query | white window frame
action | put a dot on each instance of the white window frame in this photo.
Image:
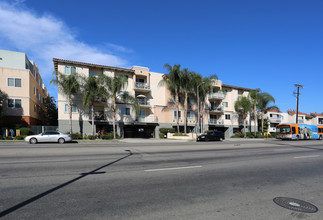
(73, 105)
(14, 82)
(14, 103)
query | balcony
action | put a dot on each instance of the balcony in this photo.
(216, 110)
(216, 121)
(98, 116)
(144, 103)
(148, 119)
(274, 120)
(216, 96)
(142, 87)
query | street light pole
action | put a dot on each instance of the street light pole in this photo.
(198, 108)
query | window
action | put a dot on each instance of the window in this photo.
(125, 111)
(14, 103)
(70, 70)
(179, 98)
(225, 104)
(35, 108)
(190, 100)
(190, 115)
(39, 97)
(74, 109)
(14, 82)
(179, 114)
(121, 75)
(227, 116)
(140, 80)
(35, 91)
(91, 73)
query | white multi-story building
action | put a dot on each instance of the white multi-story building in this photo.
(156, 102)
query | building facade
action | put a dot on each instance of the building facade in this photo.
(23, 87)
(157, 107)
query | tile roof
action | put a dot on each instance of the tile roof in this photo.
(56, 61)
(273, 110)
(300, 113)
(236, 87)
(316, 114)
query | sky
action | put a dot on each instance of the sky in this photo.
(266, 44)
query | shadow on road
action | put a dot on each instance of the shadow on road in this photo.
(82, 175)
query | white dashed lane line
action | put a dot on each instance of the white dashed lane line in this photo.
(310, 156)
(173, 168)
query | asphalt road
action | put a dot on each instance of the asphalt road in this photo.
(160, 180)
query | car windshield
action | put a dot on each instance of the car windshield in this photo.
(283, 129)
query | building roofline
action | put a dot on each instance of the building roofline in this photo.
(236, 87)
(56, 61)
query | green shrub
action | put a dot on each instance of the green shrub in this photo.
(250, 134)
(9, 138)
(24, 131)
(21, 137)
(92, 137)
(107, 136)
(161, 135)
(85, 137)
(167, 130)
(76, 136)
(235, 136)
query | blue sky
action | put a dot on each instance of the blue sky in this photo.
(270, 44)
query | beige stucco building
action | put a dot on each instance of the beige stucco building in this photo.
(157, 107)
(24, 88)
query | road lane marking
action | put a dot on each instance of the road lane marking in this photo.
(283, 149)
(34, 161)
(306, 156)
(173, 168)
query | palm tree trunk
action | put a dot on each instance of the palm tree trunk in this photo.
(255, 117)
(114, 110)
(177, 109)
(244, 127)
(185, 113)
(262, 121)
(92, 112)
(70, 112)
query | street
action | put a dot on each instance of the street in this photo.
(160, 180)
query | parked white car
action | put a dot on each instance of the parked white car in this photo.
(49, 136)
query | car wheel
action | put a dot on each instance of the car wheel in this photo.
(220, 139)
(33, 141)
(320, 137)
(206, 139)
(61, 141)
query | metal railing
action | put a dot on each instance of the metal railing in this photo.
(143, 102)
(217, 95)
(275, 120)
(139, 85)
(216, 121)
(216, 109)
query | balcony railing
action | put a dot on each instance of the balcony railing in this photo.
(143, 86)
(275, 120)
(143, 102)
(216, 109)
(150, 118)
(216, 121)
(217, 95)
(98, 116)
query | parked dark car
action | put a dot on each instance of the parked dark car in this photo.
(211, 136)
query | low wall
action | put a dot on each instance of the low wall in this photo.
(189, 137)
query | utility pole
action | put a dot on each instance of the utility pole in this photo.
(298, 86)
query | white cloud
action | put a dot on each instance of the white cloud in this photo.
(43, 37)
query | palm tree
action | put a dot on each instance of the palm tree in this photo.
(243, 106)
(205, 88)
(68, 85)
(254, 96)
(93, 91)
(263, 104)
(114, 86)
(173, 82)
(187, 86)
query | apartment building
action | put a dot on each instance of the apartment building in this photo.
(157, 107)
(275, 117)
(24, 89)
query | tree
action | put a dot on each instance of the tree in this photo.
(3, 97)
(187, 86)
(114, 87)
(93, 91)
(243, 106)
(254, 96)
(205, 87)
(50, 113)
(263, 104)
(68, 85)
(173, 81)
